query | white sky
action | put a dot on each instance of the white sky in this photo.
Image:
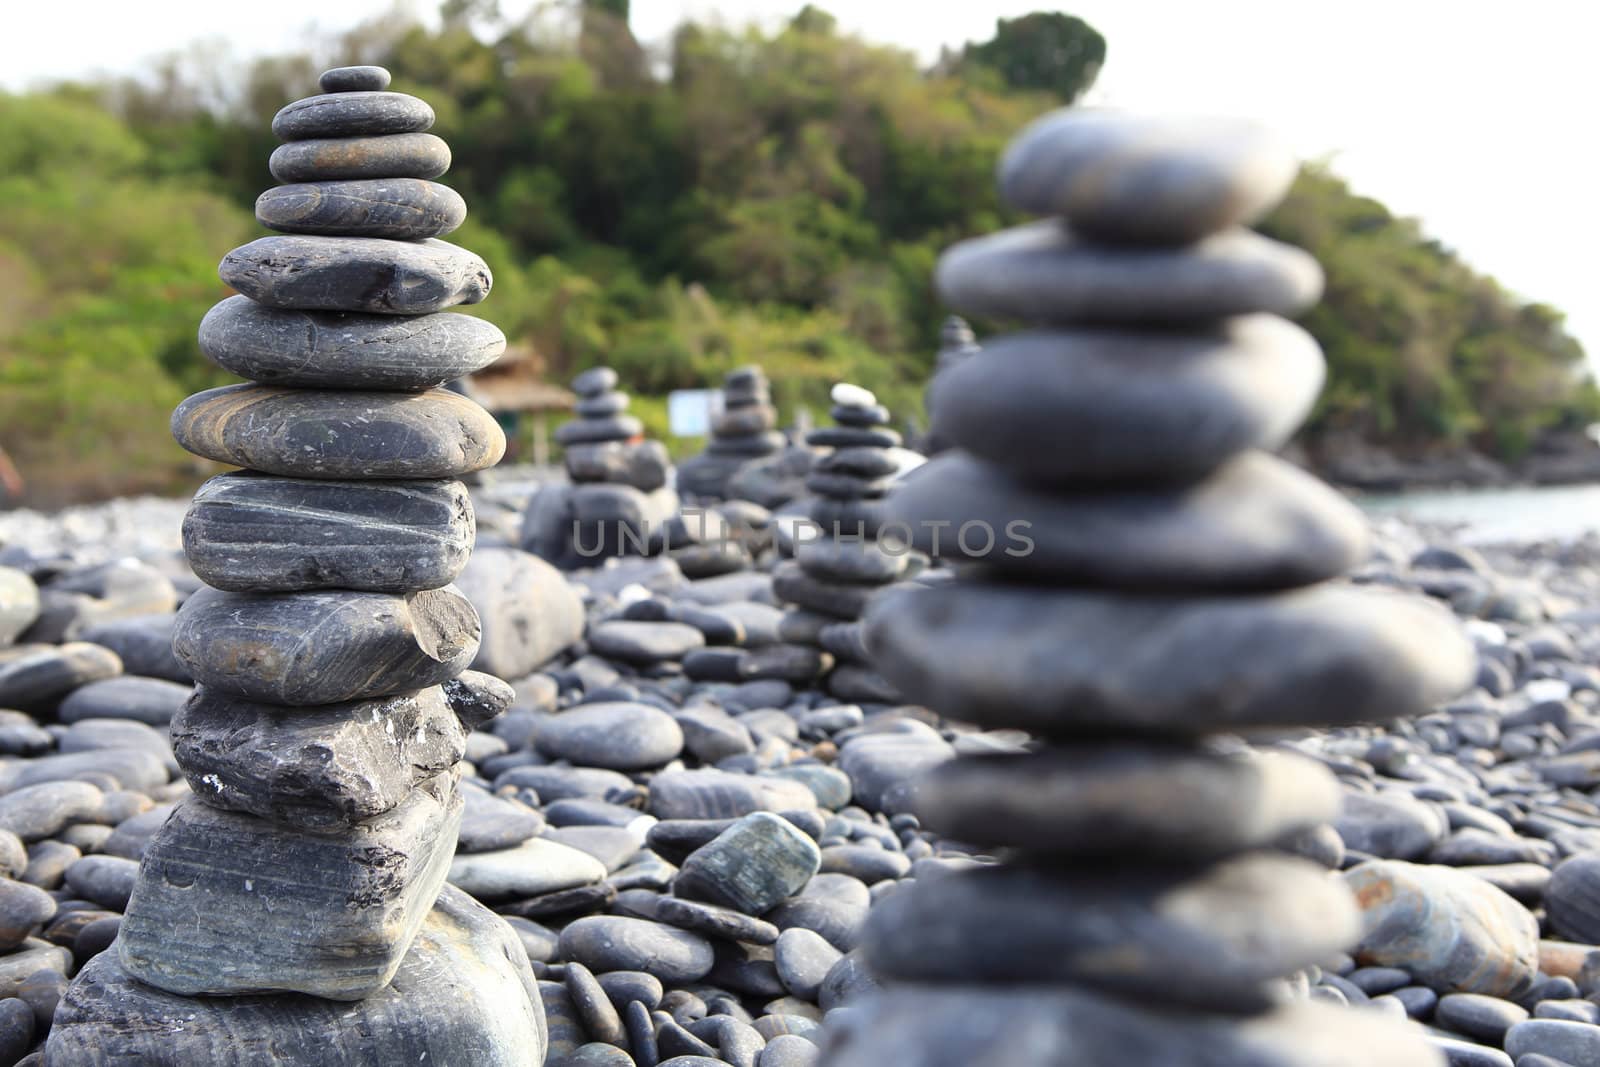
(1468, 114)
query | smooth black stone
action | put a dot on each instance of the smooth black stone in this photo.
(616, 943)
(402, 209)
(863, 417)
(612, 735)
(1156, 936)
(1145, 179)
(1158, 801)
(750, 444)
(249, 533)
(320, 648)
(860, 461)
(595, 381)
(323, 768)
(146, 700)
(709, 793)
(346, 350)
(753, 865)
(298, 433)
(1572, 898)
(1064, 661)
(351, 114)
(1045, 273)
(1109, 405)
(601, 405)
(641, 1034)
(744, 419)
(356, 274)
(1255, 523)
(846, 486)
(229, 904)
(987, 1026)
(358, 79)
(853, 437)
(585, 431)
(464, 994)
(842, 600)
(712, 921)
(34, 675)
(593, 1007)
(399, 155)
(644, 642)
(625, 987)
(852, 561)
(492, 823)
(143, 643)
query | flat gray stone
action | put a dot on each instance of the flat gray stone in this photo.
(34, 675)
(528, 612)
(1163, 802)
(1109, 405)
(709, 793)
(464, 993)
(620, 736)
(618, 943)
(1145, 179)
(346, 350)
(1255, 523)
(644, 642)
(358, 79)
(356, 274)
(250, 533)
(325, 647)
(143, 643)
(300, 433)
(403, 209)
(148, 700)
(397, 155)
(978, 1026)
(1193, 941)
(1066, 661)
(324, 768)
(1045, 273)
(351, 114)
(229, 904)
(536, 866)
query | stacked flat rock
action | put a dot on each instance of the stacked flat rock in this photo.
(744, 432)
(1170, 581)
(322, 740)
(619, 501)
(840, 564)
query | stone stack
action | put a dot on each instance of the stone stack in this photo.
(606, 444)
(619, 502)
(840, 564)
(1145, 577)
(322, 741)
(745, 431)
(956, 343)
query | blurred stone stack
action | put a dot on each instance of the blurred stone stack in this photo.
(322, 741)
(606, 444)
(619, 502)
(839, 562)
(745, 431)
(1145, 578)
(956, 343)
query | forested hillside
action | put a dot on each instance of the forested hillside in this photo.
(740, 196)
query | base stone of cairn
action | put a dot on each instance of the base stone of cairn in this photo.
(743, 435)
(1171, 581)
(619, 500)
(293, 910)
(840, 563)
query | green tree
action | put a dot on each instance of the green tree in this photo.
(1047, 51)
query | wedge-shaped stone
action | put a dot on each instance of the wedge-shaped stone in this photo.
(1043, 272)
(346, 350)
(1111, 405)
(356, 274)
(989, 1026)
(1255, 523)
(303, 649)
(298, 433)
(1065, 661)
(405, 209)
(398, 155)
(229, 904)
(1149, 179)
(355, 114)
(323, 768)
(464, 994)
(251, 533)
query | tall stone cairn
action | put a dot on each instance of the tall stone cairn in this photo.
(605, 443)
(839, 564)
(306, 869)
(744, 431)
(1174, 583)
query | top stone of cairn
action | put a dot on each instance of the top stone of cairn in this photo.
(354, 80)
(1155, 180)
